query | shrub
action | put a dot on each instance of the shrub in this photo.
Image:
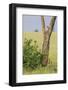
(31, 55)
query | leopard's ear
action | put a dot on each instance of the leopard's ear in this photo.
(48, 27)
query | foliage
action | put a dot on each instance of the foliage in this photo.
(36, 30)
(31, 56)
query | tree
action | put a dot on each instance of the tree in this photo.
(46, 38)
(36, 30)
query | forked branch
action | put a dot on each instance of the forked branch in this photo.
(52, 22)
(43, 23)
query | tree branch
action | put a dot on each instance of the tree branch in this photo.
(52, 22)
(43, 23)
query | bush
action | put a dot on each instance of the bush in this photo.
(31, 55)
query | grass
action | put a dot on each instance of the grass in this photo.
(52, 64)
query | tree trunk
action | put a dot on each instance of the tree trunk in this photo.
(46, 39)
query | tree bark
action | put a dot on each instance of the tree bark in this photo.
(46, 39)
